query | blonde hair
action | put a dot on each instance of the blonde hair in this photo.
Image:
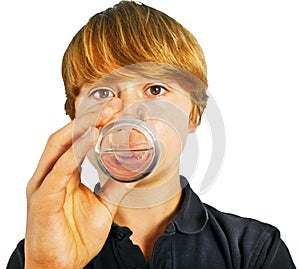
(131, 33)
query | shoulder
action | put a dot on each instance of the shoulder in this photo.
(252, 242)
(17, 258)
(218, 237)
(238, 226)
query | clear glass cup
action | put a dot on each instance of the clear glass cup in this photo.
(127, 150)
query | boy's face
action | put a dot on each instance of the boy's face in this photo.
(157, 100)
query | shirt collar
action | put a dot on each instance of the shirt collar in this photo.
(192, 217)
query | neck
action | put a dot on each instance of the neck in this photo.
(149, 219)
(151, 214)
(153, 191)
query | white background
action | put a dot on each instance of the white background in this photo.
(252, 52)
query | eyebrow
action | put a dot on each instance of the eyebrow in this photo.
(155, 72)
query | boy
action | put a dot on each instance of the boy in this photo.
(133, 59)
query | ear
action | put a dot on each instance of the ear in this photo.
(194, 118)
(192, 126)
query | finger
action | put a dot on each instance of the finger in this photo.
(95, 116)
(58, 143)
(61, 140)
(61, 173)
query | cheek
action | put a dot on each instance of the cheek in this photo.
(166, 130)
(171, 123)
(83, 104)
(172, 138)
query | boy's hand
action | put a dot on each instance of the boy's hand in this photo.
(67, 225)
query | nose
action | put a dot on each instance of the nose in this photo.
(133, 106)
(135, 109)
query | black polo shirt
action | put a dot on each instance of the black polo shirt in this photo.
(198, 237)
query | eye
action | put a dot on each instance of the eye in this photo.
(102, 93)
(156, 90)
